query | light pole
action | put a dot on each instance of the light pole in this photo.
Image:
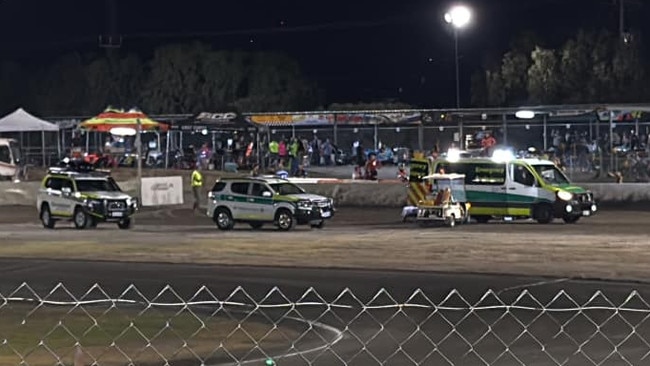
(458, 16)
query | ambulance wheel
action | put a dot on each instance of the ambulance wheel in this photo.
(544, 214)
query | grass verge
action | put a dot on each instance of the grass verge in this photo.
(45, 335)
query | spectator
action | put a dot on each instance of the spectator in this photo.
(327, 152)
(282, 151)
(197, 184)
(488, 144)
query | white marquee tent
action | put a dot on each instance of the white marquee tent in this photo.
(21, 121)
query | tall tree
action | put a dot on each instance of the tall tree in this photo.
(630, 72)
(543, 81)
(61, 88)
(175, 80)
(275, 83)
(496, 95)
(514, 71)
(576, 67)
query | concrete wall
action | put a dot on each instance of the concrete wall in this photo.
(354, 194)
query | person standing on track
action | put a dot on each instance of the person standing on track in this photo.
(197, 184)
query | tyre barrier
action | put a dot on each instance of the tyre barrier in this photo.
(356, 193)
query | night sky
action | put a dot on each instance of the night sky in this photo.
(357, 50)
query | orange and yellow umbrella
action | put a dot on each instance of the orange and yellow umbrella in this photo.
(115, 118)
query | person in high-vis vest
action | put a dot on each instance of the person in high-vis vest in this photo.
(197, 184)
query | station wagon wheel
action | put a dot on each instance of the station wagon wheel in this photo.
(223, 219)
(46, 217)
(81, 219)
(284, 219)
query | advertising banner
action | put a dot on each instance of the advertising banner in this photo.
(162, 191)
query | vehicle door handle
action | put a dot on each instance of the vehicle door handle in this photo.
(230, 198)
(251, 200)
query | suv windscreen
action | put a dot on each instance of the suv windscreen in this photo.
(286, 188)
(94, 185)
(218, 187)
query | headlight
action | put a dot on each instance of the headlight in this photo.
(564, 195)
(305, 205)
(93, 203)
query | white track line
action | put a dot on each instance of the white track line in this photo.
(337, 332)
(534, 284)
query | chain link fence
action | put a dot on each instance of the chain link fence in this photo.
(92, 327)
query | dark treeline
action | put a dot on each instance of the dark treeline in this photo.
(179, 78)
(591, 67)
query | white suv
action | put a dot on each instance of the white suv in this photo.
(258, 201)
(84, 198)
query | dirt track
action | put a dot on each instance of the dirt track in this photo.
(609, 245)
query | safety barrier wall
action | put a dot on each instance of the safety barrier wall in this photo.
(354, 193)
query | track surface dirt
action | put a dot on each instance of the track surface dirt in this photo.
(363, 250)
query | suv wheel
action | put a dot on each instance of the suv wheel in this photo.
(81, 219)
(46, 217)
(223, 219)
(285, 220)
(124, 224)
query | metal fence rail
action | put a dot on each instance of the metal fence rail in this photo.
(169, 327)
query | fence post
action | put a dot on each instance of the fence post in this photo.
(43, 147)
(545, 133)
(336, 133)
(461, 138)
(611, 140)
(505, 129)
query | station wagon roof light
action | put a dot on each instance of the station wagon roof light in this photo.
(453, 155)
(503, 155)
